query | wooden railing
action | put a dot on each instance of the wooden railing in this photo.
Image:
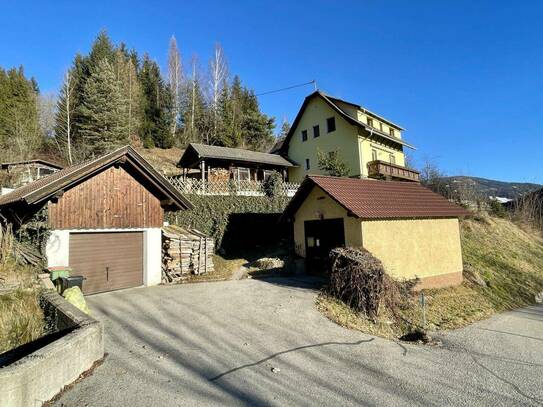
(227, 187)
(383, 170)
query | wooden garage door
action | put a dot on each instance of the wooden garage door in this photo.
(109, 261)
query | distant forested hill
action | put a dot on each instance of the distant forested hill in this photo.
(490, 187)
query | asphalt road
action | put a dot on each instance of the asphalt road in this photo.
(255, 342)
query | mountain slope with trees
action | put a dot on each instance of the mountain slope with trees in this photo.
(113, 96)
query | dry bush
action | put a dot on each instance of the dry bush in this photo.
(528, 209)
(359, 280)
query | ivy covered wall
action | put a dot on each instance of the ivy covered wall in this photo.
(235, 221)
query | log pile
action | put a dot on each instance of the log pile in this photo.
(185, 251)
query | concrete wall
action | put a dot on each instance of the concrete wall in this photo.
(423, 248)
(318, 205)
(39, 376)
(58, 250)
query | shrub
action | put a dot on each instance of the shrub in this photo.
(497, 209)
(359, 280)
(274, 186)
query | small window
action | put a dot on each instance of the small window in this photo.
(42, 172)
(392, 158)
(304, 135)
(331, 124)
(244, 174)
(370, 122)
(316, 131)
(266, 174)
(374, 154)
(392, 132)
(380, 126)
(307, 166)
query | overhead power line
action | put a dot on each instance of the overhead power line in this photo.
(313, 82)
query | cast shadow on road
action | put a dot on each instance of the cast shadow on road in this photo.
(288, 351)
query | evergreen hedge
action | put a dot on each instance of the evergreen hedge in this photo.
(234, 221)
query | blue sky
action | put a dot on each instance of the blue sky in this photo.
(465, 78)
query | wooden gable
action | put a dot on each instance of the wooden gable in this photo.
(113, 198)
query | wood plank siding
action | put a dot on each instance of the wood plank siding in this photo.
(110, 199)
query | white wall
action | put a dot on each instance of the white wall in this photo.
(57, 250)
(152, 256)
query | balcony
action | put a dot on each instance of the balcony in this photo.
(383, 170)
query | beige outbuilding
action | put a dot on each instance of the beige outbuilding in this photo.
(412, 230)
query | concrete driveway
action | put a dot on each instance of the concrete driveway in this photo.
(216, 344)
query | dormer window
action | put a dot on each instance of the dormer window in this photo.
(370, 122)
(304, 135)
(392, 132)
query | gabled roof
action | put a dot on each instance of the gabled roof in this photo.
(352, 120)
(46, 187)
(197, 152)
(35, 161)
(372, 199)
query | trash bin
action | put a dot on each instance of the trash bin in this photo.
(56, 273)
(72, 281)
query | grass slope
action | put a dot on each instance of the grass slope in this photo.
(503, 270)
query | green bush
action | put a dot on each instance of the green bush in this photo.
(497, 209)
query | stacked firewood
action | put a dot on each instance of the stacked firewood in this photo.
(185, 251)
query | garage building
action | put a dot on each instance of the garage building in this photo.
(105, 217)
(412, 230)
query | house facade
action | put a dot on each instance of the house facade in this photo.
(412, 230)
(370, 145)
(16, 174)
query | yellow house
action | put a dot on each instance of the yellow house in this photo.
(370, 145)
(412, 230)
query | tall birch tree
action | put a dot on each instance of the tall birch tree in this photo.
(175, 78)
(218, 72)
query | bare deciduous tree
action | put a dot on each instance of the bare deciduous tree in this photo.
(218, 69)
(175, 78)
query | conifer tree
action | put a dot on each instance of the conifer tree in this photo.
(102, 112)
(157, 107)
(20, 134)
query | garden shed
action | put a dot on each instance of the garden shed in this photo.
(412, 230)
(105, 218)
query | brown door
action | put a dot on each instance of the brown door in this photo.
(109, 261)
(321, 236)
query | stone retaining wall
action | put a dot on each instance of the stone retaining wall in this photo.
(39, 376)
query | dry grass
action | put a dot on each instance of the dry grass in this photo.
(508, 259)
(164, 160)
(224, 269)
(21, 318)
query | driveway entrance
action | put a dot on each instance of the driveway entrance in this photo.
(217, 343)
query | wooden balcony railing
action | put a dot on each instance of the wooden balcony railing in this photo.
(383, 170)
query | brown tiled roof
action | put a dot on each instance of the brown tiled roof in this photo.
(46, 187)
(372, 199)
